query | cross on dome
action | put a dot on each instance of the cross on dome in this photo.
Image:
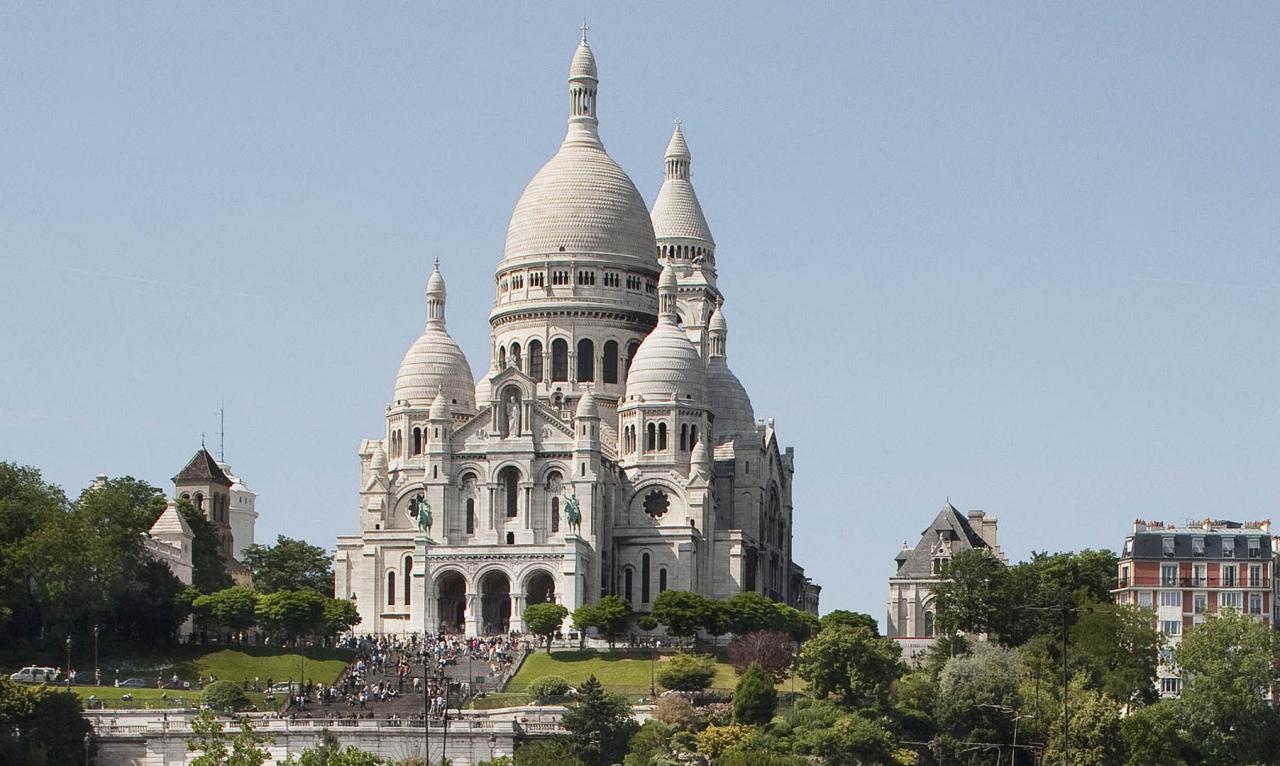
(584, 29)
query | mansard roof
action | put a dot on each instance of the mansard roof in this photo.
(202, 469)
(952, 526)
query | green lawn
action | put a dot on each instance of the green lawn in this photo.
(623, 672)
(238, 665)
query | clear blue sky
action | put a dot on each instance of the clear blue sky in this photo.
(1023, 255)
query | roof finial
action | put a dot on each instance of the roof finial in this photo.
(677, 123)
(584, 29)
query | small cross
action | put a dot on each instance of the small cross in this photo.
(677, 122)
(584, 29)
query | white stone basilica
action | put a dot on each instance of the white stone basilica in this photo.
(608, 391)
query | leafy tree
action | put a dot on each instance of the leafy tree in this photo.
(545, 620)
(739, 757)
(677, 711)
(234, 608)
(209, 739)
(651, 746)
(855, 740)
(852, 663)
(681, 611)
(687, 672)
(340, 616)
(754, 699)
(151, 607)
(751, 611)
(1094, 731)
(599, 724)
(978, 694)
(851, 619)
(225, 696)
(795, 623)
(715, 740)
(549, 689)
(584, 618)
(548, 752)
(770, 650)
(329, 752)
(208, 567)
(716, 620)
(1156, 735)
(292, 613)
(290, 565)
(647, 623)
(39, 725)
(610, 616)
(1120, 648)
(1230, 663)
(974, 596)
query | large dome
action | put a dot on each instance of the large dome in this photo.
(435, 363)
(667, 366)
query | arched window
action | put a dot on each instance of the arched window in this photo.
(644, 579)
(610, 362)
(555, 514)
(626, 584)
(684, 436)
(511, 538)
(632, 348)
(662, 437)
(471, 515)
(510, 490)
(586, 360)
(559, 360)
(515, 356)
(200, 502)
(693, 436)
(391, 588)
(502, 358)
(928, 624)
(535, 359)
(662, 580)
(408, 575)
(652, 442)
(417, 441)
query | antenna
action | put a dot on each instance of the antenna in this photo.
(222, 431)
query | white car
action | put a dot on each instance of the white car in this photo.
(33, 674)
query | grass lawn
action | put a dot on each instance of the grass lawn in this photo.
(238, 665)
(622, 672)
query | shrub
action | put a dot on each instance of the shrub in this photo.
(755, 699)
(688, 672)
(225, 696)
(675, 710)
(715, 740)
(549, 689)
(770, 649)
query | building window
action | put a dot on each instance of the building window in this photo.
(626, 584)
(417, 441)
(1197, 547)
(559, 277)
(662, 580)
(1255, 576)
(1167, 545)
(587, 278)
(471, 516)
(1199, 575)
(609, 364)
(928, 624)
(611, 279)
(559, 360)
(1144, 599)
(633, 282)
(1170, 598)
(535, 359)
(1255, 548)
(693, 436)
(1229, 600)
(662, 437)
(1228, 547)
(1255, 603)
(1228, 575)
(586, 360)
(1199, 603)
(644, 579)
(555, 514)
(511, 538)
(408, 575)
(1168, 574)
(651, 443)
(537, 279)
(684, 437)
(1171, 627)
(1170, 685)
(510, 490)
(391, 588)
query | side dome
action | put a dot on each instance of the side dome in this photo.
(728, 400)
(434, 363)
(667, 365)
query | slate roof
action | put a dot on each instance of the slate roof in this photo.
(954, 525)
(1150, 545)
(202, 469)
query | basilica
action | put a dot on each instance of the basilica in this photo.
(608, 449)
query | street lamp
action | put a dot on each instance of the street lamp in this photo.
(68, 662)
(97, 680)
(88, 738)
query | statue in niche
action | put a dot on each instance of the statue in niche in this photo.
(420, 509)
(573, 513)
(511, 415)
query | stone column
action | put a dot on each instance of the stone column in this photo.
(517, 611)
(528, 505)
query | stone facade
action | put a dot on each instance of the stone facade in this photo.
(608, 449)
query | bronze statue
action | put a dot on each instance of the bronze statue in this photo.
(573, 512)
(420, 509)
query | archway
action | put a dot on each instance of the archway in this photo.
(539, 588)
(495, 603)
(451, 589)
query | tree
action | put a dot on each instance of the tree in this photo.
(716, 620)
(610, 616)
(651, 745)
(209, 739)
(1120, 648)
(548, 752)
(151, 607)
(769, 649)
(714, 740)
(687, 672)
(548, 689)
(329, 752)
(584, 618)
(225, 696)
(974, 596)
(545, 620)
(40, 726)
(681, 611)
(234, 608)
(677, 711)
(978, 694)
(852, 663)
(208, 567)
(340, 616)
(855, 740)
(751, 611)
(795, 623)
(599, 724)
(754, 699)
(292, 613)
(290, 565)
(27, 502)
(1156, 735)
(1094, 731)
(850, 619)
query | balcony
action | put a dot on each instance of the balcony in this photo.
(1192, 582)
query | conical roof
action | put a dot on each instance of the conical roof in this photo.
(202, 469)
(677, 214)
(171, 524)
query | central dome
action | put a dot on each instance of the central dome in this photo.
(581, 202)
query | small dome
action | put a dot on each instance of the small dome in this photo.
(378, 460)
(584, 63)
(668, 280)
(435, 285)
(717, 322)
(667, 366)
(587, 407)
(432, 364)
(701, 456)
(728, 400)
(439, 407)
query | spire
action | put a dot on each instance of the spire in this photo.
(677, 157)
(583, 84)
(668, 284)
(718, 330)
(435, 297)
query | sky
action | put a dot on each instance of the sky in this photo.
(1018, 255)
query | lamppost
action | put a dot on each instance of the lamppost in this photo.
(96, 678)
(88, 738)
(68, 662)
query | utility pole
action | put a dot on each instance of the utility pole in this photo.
(1066, 742)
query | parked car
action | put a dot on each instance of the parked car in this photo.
(34, 674)
(133, 683)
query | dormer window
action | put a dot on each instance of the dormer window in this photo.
(1167, 544)
(1228, 547)
(1197, 547)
